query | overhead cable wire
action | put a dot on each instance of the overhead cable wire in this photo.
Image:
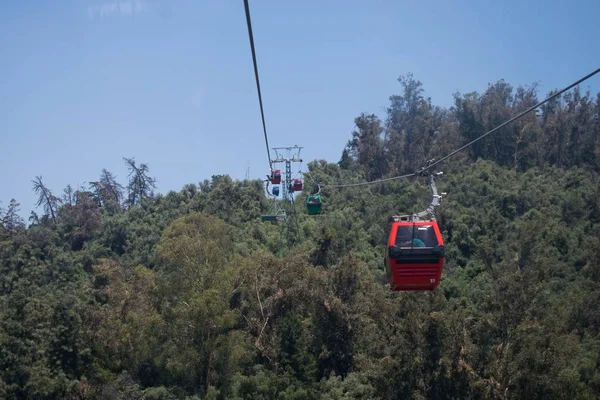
(321, 185)
(516, 117)
(369, 182)
(262, 113)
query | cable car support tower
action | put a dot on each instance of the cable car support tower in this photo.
(287, 155)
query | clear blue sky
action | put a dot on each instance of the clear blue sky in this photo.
(84, 83)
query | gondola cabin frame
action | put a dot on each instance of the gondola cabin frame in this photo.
(275, 177)
(314, 204)
(297, 185)
(414, 256)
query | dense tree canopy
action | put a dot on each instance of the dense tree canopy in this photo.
(119, 292)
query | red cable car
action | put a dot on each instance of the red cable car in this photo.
(297, 185)
(275, 177)
(415, 255)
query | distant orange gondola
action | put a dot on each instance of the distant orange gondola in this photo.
(415, 255)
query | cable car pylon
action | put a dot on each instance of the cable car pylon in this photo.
(288, 155)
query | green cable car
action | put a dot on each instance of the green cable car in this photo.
(314, 204)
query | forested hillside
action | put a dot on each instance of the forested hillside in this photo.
(116, 291)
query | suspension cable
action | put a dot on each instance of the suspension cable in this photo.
(262, 113)
(430, 165)
(516, 117)
(370, 182)
(321, 185)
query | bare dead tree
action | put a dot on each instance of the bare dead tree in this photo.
(140, 184)
(107, 191)
(46, 198)
(112, 188)
(68, 195)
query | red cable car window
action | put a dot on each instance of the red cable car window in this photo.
(416, 236)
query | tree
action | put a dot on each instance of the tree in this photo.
(367, 147)
(108, 192)
(345, 160)
(10, 219)
(79, 218)
(68, 195)
(410, 126)
(140, 184)
(526, 130)
(46, 198)
(195, 282)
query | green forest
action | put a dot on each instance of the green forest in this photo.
(114, 290)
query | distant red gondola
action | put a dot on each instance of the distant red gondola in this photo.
(415, 255)
(275, 177)
(297, 185)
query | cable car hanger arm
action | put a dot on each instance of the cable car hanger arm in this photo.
(435, 201)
